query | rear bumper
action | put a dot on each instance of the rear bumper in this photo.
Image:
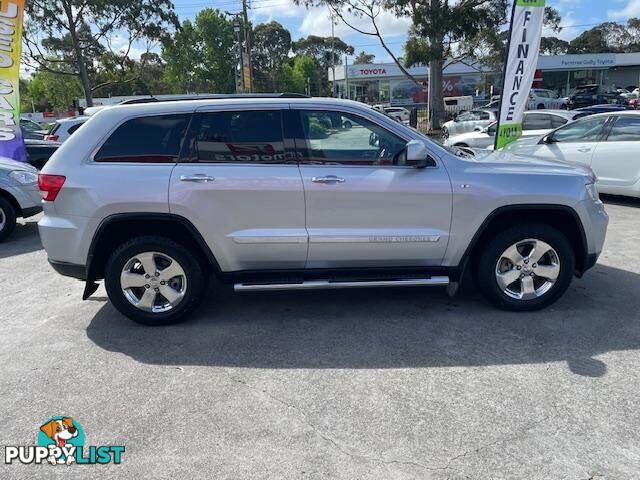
(69, 269)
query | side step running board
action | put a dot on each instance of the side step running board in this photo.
(328, 284)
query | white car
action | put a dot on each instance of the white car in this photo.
(469, 121)
(607, 142)
(399, 114)
(64, 127)
(534, 124)
(541, 98)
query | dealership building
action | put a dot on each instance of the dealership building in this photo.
(385, 82)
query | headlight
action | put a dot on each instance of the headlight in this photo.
(23, 177)
(592, 190)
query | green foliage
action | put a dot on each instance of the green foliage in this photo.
(608, 37)
(50, 91)
(364, 58)
(201, 56)
(67, 36)
(325, 51)
(271, 45)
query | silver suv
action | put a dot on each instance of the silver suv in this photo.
(276, 194)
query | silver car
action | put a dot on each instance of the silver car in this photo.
(19, 194)
(469, 121)
(154, 198)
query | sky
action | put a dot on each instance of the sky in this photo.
(577, 16)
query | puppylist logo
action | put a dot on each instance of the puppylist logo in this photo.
(61, 441)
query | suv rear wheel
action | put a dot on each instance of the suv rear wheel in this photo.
(7, 218)
(154, 280)
(526, 267)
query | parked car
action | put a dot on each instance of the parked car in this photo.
(39, 151)
(607, 142)
(534, 124)
(400, 114)
(19, 194)
(540, 98)
(156, 197)
(606, 108)
(31, 130)
(64, 128)
(456, 105)
(469, 121)
(594, 94)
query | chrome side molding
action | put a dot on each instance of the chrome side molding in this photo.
(331, 284)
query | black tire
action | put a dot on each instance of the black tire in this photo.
(541, 106)
(7, 218)
(347, 124)
(192, 269)
(445, 133)
(485, 268)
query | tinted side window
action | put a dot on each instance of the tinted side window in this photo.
(626, 129)
(252, 136)
(73, 128)
(584, 130)
(154, 139)
(346, 139)
(558, 121)
(537, 121)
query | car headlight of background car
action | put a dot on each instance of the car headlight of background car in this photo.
(23, 177)
(592, 190)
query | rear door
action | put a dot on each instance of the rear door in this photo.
(364, 206)
(616, 160)
(241, 188)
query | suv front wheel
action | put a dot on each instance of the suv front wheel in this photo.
(154, 280)
(526, 267)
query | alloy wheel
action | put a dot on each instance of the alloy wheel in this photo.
(153, 282)
(527, 269)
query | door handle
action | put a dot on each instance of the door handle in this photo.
(328, 179)
(584, 149)
(198, 178)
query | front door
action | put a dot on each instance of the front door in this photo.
(576, 141)
(242, 190)
(364, 207)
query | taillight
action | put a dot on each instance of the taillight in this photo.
(51, 138)
(50, 185)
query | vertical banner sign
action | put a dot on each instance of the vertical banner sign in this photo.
(520, 68)
(11, 143)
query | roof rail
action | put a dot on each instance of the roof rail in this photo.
(213, 96)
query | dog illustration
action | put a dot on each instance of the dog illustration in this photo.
(60, 431)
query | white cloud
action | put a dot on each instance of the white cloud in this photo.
(318, 21)
(632, 9)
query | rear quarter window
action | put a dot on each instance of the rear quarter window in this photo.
(151, 139)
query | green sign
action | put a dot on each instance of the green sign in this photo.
(507, 133)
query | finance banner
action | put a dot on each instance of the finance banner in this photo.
(520, 68)
(11, 142)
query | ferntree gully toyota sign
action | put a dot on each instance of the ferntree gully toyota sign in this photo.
(524, 45)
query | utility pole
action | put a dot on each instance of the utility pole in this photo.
(333, 55)
(246, 58)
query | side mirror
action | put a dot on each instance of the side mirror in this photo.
(417, 155)
(547, 139)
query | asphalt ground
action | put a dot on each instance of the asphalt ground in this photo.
(359, 384)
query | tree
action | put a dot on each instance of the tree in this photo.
(364, 58)
(63, 36)
(553, 46)
(608, 37)
(271, 46)
(305, 73)
(201, 57)
(325, 51)
(51, 91)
